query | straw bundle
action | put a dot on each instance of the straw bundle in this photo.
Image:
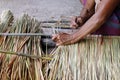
(95, 58)
(6, 20)
(14, 67)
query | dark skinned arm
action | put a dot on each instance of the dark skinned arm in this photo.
(86, 12)
(95, 22)
(104, 10)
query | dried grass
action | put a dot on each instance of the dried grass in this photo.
(95, 58)
(13, 67)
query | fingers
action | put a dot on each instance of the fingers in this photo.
(61, 39)
(73, 22)
(57, 39)
(59, 44)
(54, 36)
(76, 22)
(79, 21)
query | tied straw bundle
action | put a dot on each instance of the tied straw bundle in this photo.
(13, 67)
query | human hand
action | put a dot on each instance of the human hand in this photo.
(76, 22)
(63, 39)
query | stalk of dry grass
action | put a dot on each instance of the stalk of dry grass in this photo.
(94, 58)
(13, 67)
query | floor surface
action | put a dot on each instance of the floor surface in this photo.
(42, 9)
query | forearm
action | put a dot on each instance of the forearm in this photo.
(90, 26)
(97, 19)
(87, 11)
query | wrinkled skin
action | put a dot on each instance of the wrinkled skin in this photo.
(76, 22)
(63, 38)
(85, 14)
(103, 12)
